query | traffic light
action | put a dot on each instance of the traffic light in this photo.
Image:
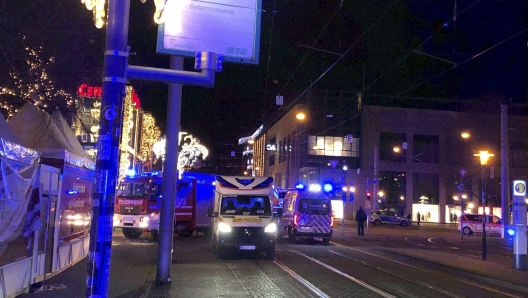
(369, 195)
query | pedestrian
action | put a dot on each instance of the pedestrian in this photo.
(418, 218)
(451, 217)
(361, 216)
(409, 218)
(455, 218)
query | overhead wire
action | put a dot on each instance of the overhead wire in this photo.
(441, 73)
(338, 59)
(302, 60)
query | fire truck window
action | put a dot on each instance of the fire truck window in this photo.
(139, 190)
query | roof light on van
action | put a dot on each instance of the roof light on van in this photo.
(511, 231)
(328, 187)
(300, 186)
(314, 187)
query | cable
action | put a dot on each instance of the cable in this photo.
(269, 58)
(302, 60)
(339, 59)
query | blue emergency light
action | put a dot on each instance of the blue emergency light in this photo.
(300, 186)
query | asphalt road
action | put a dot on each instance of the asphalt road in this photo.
(381, 263)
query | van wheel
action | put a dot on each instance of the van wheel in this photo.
(326, 240)
(467, 231)
(132, 233)
(270, 254)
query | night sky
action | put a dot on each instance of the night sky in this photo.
(487, 42)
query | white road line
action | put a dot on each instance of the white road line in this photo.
(358, 281)
(423, 284)
(429, 271)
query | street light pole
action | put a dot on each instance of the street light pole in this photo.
(484, 157)
(483, 218)
(460, 188)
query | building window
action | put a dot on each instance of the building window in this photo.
(425, 149)
(391, 146)
(392, 190)
(425, 188)
(271, 160)
(332, 146)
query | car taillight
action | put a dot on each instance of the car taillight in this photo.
(295, 219)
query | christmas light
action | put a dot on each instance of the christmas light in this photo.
(35, 87)
(98, 9)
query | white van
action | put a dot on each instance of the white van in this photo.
(242, 218)
(306, 215)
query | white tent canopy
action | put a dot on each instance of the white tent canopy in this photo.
(49, 134)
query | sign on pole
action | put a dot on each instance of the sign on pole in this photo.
(230, 28)
(520, 258)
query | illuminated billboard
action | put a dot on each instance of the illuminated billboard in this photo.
(226, 27)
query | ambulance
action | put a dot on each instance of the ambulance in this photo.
(242, 217)
(307, 214)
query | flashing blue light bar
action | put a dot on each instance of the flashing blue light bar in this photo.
(328, 187)
(300, 186)
(511, 232)
(72, 192)
(314, 187)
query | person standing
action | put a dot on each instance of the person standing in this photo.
(418, 218)
(361, 216)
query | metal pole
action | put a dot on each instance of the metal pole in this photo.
(166, 226)
(375, 188)
(505, 192)
(460, 188)
(483, 219)
(113, 86)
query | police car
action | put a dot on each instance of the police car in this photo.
(387, 217)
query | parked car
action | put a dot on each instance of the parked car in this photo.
(472, 223)
(388, 217)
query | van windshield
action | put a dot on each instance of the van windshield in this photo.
(245, 205)
(314, 206)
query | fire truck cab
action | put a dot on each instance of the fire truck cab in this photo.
(137, 204)
(307, 214)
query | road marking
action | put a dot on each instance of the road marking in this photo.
(358, 281)
(303, 281)
(458, 279)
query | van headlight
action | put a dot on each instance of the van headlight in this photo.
(271, 228)
(224, 228)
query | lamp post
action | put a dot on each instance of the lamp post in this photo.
(484, 157)
(460, 188)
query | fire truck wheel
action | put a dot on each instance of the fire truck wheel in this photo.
(155, 235)
(185, 233)
(132, 233)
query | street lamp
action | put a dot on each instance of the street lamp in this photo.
(484, 157)
(460, 188)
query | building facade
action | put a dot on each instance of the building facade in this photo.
(408, 160)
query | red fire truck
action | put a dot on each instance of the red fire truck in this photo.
(138, 204)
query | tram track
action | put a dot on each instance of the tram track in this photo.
(380, 275)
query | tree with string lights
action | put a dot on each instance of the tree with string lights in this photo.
(32, 83)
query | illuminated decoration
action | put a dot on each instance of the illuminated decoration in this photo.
(149, 135)
(34, 85)
(190, 153)
(98, 7)
(128, 125)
